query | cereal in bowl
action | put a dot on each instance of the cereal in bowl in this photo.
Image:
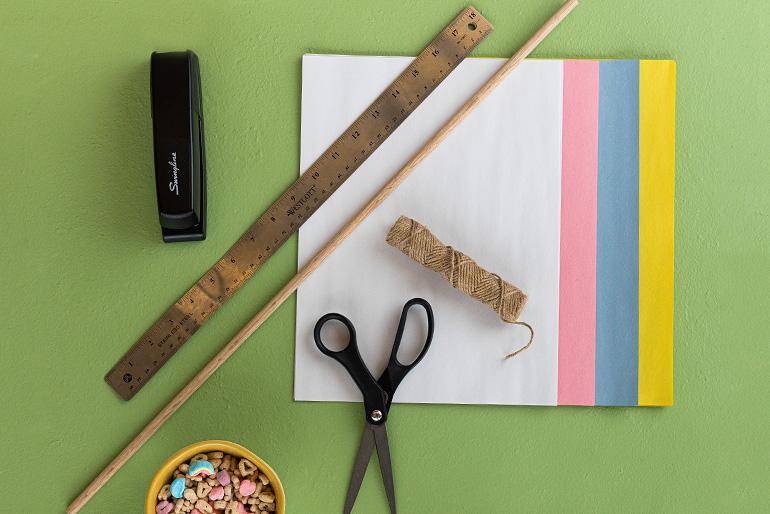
(216, 483)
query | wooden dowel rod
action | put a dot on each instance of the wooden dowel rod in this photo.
(314, 263)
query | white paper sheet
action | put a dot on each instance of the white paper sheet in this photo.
(492, 190)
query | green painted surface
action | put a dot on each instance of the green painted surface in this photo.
(84, 272)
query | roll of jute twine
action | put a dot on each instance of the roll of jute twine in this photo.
(462, 272)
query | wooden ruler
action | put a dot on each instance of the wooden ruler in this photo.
(298, 203)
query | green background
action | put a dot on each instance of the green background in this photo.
(84, 271)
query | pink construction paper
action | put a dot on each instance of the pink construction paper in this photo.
(577, 285)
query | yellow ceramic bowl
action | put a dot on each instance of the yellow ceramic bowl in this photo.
(163, 475)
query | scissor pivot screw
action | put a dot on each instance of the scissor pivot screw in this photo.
(376, 415)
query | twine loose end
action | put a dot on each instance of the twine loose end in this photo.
(531, 337)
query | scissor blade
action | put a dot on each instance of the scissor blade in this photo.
(359, 468)
(383, 455)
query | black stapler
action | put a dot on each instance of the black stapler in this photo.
(180, 163)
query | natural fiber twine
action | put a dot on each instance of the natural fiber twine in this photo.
(462, 272)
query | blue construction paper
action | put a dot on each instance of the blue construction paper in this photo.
(617, 258)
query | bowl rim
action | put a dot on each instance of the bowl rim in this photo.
(169, 465)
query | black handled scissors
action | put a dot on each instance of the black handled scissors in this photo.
(378, 395)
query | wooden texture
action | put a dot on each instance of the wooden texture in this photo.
(315, 262)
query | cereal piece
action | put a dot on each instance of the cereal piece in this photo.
(223, 477)
(232, 508)
(247, 488)
(184, 468)
(203, 490)
(164, 493)
(253, 508)
(229, 492)
(263, 478)
(201, 468)
(236, 483)
(270, 507)
(246, 467)
(204, 507)
(258, 489)
(215, 462)
(164, 507)
(177, 487)
(214, 455)
(200, 456)
(178, 506)
(226, 460)
(190, 495)
(220, 504)
(267, 497)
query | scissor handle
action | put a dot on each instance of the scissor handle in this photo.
(375, 399)
(396, 371)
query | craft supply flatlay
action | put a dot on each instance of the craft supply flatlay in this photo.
(221, 482)
(217, 482)
(220, 477)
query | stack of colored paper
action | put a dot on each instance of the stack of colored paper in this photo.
(562, 182)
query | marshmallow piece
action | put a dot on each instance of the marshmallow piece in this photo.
(201, 468)
(247, 488)
(178, 487)
(217, 493)
(164, 507)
